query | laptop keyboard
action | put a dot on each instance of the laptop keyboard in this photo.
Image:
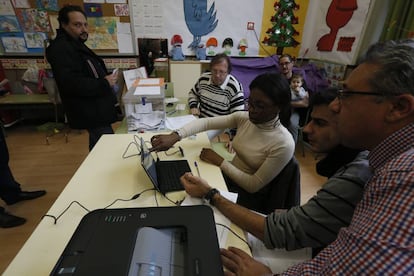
(169, 173)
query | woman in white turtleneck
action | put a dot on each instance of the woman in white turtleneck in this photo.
(263, 145)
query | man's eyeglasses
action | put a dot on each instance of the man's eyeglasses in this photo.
(218, 72)
(343, 93)
(285, 63)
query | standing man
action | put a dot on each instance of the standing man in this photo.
(217, 92)
(81, 76)
(10, 190)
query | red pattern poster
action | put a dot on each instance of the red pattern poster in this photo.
(334, 29)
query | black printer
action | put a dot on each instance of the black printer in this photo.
(154, 241)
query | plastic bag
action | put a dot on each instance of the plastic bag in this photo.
(31, 74)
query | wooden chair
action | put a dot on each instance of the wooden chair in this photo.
(52, 128)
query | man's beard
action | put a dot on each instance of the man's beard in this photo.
(81, 37)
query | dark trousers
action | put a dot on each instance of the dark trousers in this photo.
(9, 188)
(96, 133)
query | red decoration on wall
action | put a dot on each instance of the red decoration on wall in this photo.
(339, 14)
(345, 44)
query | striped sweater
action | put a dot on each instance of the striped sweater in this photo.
(213, 100)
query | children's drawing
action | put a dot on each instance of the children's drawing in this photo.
(21, 4)
(337, 17)
(121, 9)
(14, 44)
(102, 32)
(92, 9)
(33, 20)
(199, 21)
(35, 40)
(9, 24)
(6, 8)
(50, 5)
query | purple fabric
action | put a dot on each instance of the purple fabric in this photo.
(246, 69)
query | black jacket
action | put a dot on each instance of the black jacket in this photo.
(87, 98)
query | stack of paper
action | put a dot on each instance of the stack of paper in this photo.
(150, 86)
(147, 121)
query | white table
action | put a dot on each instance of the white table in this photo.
(103, 177)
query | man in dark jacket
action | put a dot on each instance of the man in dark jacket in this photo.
(81, 76)
(10, 190)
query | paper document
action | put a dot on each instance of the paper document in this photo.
(131, 76)
(222, 232)
(278, 260)
(150, 81)
(179, 121)
(170, 100)
(147, 90)
(147, 121)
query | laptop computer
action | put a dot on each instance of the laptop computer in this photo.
(164, 175)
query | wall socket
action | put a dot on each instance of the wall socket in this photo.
(250, 26)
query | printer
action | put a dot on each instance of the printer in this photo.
(153, 241)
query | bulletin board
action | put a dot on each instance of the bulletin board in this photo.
(25, 28)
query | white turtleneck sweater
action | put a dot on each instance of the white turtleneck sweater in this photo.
(262, 150)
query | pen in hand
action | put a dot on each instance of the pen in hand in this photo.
(198, 170)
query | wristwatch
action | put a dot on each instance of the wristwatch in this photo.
(209, 196)
(178, 133)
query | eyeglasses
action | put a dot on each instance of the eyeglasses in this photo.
(343, 93)
(256, 105)
(218, 72)
(285, 63)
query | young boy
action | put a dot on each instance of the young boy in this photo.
(297, 91)
(299, 102)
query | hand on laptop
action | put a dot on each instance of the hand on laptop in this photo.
(194, 185)
(163, 142)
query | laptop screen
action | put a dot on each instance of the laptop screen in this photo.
(148, 163)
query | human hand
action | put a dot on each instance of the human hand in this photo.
(239, 263)
(112, 79)
(211, 156)
(194, 185)
(163, 142)
(195, 111)
(229, 147)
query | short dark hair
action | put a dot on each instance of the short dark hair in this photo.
(220, 58)
(63, 16)
(286, 56)
(296, 76)
(277, 88)
(323, 97)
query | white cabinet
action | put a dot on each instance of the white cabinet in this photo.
(184, 74)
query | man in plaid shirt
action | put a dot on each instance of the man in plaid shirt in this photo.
(376, 112)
